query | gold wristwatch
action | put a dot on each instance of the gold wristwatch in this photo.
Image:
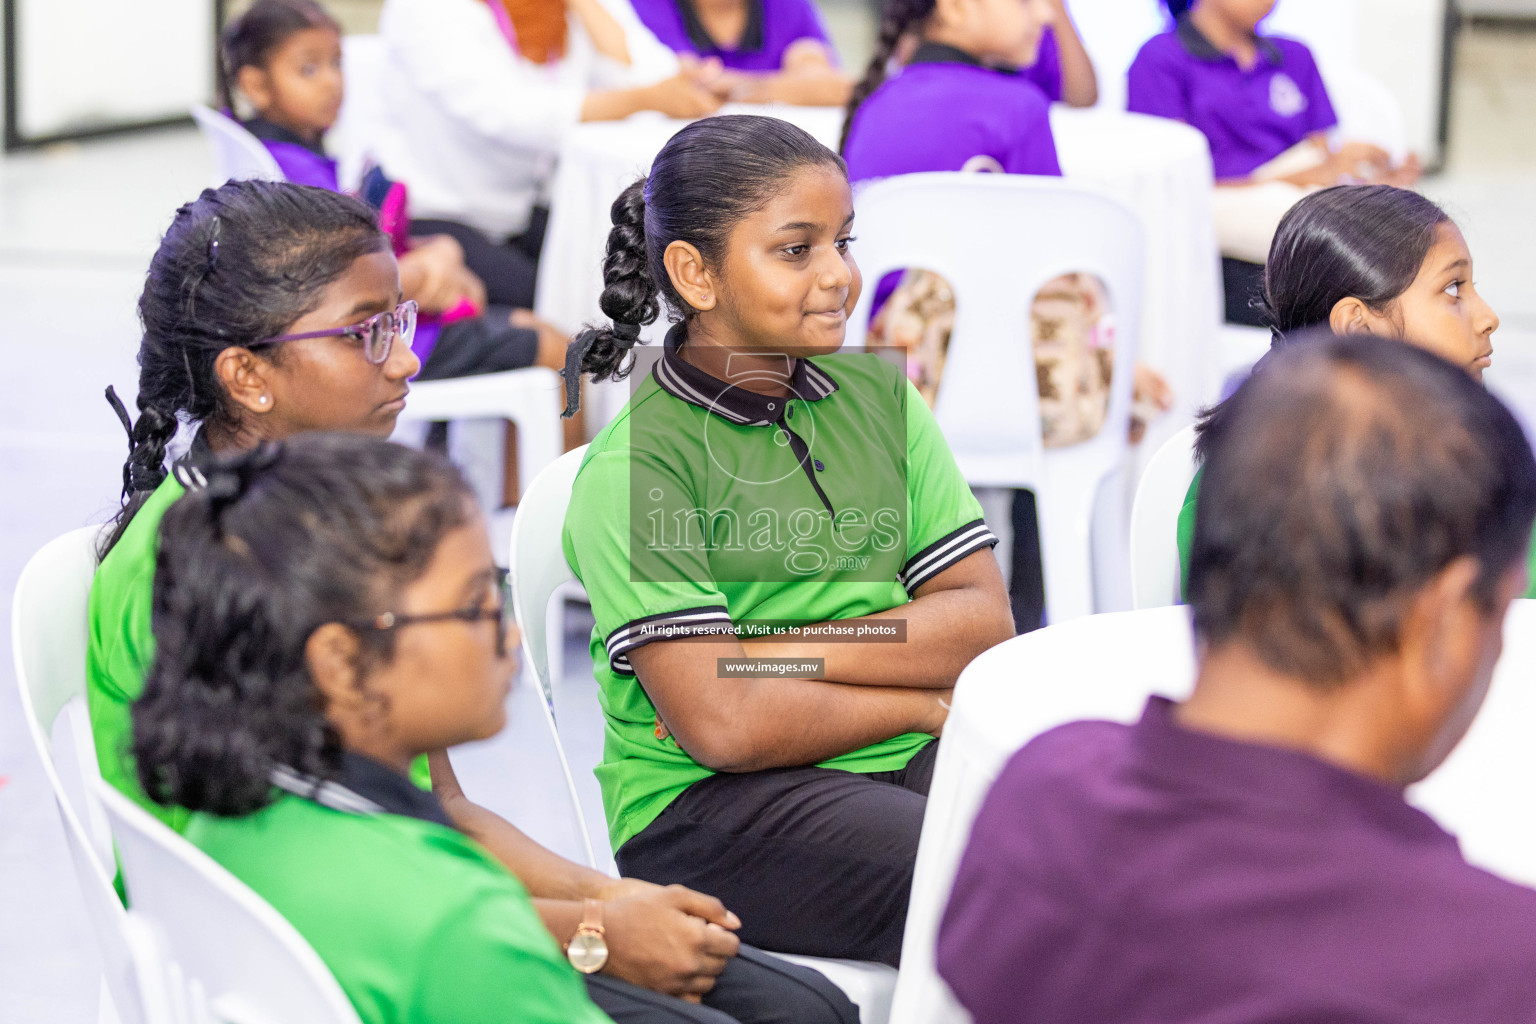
(588, 950)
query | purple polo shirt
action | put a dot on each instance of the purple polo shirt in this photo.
(1046, 70)
(772, 26)
(1249, 117)
(943, 109)
(1151, 873)
(301, 162)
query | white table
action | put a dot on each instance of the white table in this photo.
(1105, 667)
(1159, 168)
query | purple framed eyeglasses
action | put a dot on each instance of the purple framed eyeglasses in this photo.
(377, 333)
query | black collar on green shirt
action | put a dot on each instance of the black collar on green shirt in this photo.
(268, 131)
(365, 787)
(687, 382)
(698, 35)
(1197, 45)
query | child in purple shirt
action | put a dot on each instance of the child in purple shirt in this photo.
(960, 95)
(1247, 856)
(284, 57)
(757, 51)
(1261, 104)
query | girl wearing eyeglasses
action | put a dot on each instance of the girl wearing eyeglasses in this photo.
(326, 611)
(272, 310)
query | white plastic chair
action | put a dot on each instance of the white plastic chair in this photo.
(976, 230)
(225, 955)
(237, 154)
(531, 398)
(1156, 580)
(539, 572)
(1015, 691)
(49, 639)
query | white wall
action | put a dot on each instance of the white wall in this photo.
(86, 63)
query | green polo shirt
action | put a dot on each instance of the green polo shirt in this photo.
(122, 647)
(418, 923)
(1187, 538)
(706, 508)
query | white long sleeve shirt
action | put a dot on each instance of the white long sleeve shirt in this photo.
(471, 126)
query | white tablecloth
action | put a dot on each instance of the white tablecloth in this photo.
(1105, 667)
(1161, 169)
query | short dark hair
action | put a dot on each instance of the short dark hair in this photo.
(705, 179)
(1339, 482)
(239, 264)
(282, 540)
(249, 40)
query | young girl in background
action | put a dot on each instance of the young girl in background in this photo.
(1371, 259)
(957, 98)
(272, 310)
(284, 58)
(957, 104)
(771, 51)
(828, 498)
(326, 612)
(1261, 103)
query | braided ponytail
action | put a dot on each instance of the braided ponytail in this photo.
(630, 299)
(896, 20)
(706, 178)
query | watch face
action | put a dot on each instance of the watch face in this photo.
(587, 952)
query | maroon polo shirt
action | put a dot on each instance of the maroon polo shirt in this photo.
(1152, 873)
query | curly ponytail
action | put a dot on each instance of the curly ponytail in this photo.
(896, 20)
(282, 540)
(706, 178)
(239, 264)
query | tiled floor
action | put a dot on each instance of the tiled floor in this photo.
(77, 226)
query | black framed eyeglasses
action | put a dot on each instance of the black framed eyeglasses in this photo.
(377, 333)
(501, 615)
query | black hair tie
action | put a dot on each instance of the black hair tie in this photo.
(122, 413)
(626, 335)
(228, 480)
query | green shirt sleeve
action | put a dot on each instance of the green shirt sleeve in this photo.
(644, 585)
(494, 962)
(1186, 533)
(944, 521)
(122, 647)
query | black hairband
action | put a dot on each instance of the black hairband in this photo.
(627, 334)
(228, 479)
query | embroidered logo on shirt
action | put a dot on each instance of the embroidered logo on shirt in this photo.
(1285, 96)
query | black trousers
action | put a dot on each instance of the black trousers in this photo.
(487, 343)
(509, 268)
(813, 860)
(754, 988)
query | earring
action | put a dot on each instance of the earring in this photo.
(262, 399)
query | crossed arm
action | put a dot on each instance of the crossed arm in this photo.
(868, 692)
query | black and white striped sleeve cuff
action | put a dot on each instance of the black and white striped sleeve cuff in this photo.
(945, 552)
(666, 626)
